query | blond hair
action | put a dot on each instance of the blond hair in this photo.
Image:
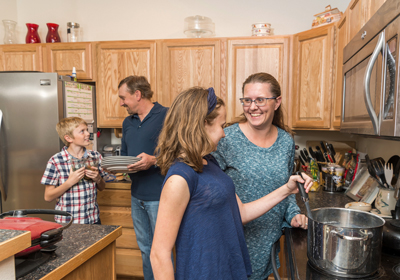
(67, 126)
(183, 136)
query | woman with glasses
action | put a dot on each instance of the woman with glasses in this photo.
(258, 154)
(199, 212)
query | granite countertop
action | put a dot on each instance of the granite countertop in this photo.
(76, 239)
(7, 234)
(297, 238)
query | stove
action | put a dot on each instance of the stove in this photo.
(299, 268)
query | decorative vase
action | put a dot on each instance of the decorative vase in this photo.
(52, 34)
(32, 36)
(9, 28)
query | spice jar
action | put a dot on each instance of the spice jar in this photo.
(73, 32)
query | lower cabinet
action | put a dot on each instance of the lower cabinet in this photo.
(115, 209)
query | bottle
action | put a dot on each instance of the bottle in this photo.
(73, 32)
(74, 74)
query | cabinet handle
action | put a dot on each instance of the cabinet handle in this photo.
(2, 189)
(367, 80)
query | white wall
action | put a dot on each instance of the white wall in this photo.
(8, 10)
(159, 19)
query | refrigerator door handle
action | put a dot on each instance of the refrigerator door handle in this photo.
(2, 189)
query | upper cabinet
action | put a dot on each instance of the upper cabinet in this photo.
(313, 68)
(115, 61)
(251, 55)
(21, 57)
(61, 57)
(342, 38)
(359, 12)
(184, 63)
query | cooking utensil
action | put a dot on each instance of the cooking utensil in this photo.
(306, 153)
(325, 151)
(371, 169)
(396, 172)
(43, 233)
(304, 195)
(330, 153)
(388, 172)
(305, 158)
(313, 154)
(345, 242)
(380, 172)
(302, 161)
(332, 149)
(320, 154)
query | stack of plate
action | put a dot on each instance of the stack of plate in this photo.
(118, 164)
(261, 29)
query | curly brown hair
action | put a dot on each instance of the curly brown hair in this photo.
(183, 136)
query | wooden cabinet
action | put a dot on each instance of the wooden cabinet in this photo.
(251, 55)
(342, 38)
(359, 12)
(185, 63)
(27, 57)
(313, 65)
(115, 209)
(115, 61)
(61, 57)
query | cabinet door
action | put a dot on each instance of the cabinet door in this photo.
(342, 39)
(359, 13)
(115, 61)
(312, 78)
(21, 57)
(186, 63)
(61, 57)
(253, 55)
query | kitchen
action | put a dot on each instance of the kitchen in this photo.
(135, 25)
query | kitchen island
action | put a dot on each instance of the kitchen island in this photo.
(296, 243)
(11, 242)
(86, 252)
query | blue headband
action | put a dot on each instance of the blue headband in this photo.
(212, 100)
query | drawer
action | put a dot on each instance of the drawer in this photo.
(111, 197)
(128, 239)
(129, 262)
(117, 216)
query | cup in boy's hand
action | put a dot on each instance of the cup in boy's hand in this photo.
(91, 164)
(77, 164)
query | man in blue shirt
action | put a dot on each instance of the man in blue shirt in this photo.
(140, 133)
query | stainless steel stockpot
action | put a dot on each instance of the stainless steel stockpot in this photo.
(345, 242)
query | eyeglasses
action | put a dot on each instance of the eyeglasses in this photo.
(259, 101)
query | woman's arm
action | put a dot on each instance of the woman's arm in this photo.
(252, 210)
(173, 202)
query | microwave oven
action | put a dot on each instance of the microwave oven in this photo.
(371, 76)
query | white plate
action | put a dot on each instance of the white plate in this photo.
(120, 157)
(375, 212)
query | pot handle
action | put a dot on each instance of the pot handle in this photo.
(352, 238)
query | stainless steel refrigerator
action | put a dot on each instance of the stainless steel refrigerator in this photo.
(31, 104)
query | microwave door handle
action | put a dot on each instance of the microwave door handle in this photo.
(2, 189)
(392, 71)
(367, 79)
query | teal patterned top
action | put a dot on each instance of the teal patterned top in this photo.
(256, 172)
